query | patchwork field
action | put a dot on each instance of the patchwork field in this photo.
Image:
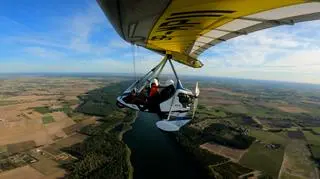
(312, 138)
(233, 154)
(25, 172)
(39, 108)
(224, 91)
(292, 109)
(296, 162)
(263, 159)
(283, 118)
(35, 115)
(269, 137)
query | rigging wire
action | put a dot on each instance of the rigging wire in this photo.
(134, 62)
(138, 57)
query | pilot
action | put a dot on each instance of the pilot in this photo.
(154, 96)
(154, 89)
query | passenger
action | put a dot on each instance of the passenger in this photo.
(169, 83)
(135, 98)
(168, 90)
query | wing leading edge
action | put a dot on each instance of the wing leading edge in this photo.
(186, 28)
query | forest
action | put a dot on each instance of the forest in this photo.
(102, 154)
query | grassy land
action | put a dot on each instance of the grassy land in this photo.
(236, 108)
(261, 158)
(42, 109)
(228, 170)
(315, 149)
(78, 117)
(316, 129)
(297, 161)
(8, 102)
(262, 101)
(3, 149)
(203, 112)
(46, 109)
(46, 119)
(269, 137)
(311, 138)
(20, 147)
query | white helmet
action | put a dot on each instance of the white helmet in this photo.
(155, 81)
(169, 82)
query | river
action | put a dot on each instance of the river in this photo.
(156, 154)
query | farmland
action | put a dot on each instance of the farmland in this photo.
(282, 118)
(35, 103)
(232, 154)
(272, 159)
(312, 138)
(56, 127)
(41, 119)
(297, 161)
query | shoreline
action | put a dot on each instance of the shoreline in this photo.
(128, 150)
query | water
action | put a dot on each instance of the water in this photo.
(155, 154)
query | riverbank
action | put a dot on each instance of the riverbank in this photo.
(127, 126)
(128, 151)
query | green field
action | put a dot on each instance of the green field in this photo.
(236, 108)
(7, 102)
(3, 149)
(228, 170)
(311, 138)
(316, 129)
(315, 151)
(46, 109)
(46, 119)
(21, 146)
(263, 159)
(298, 160)
(214, 113)
(269, 137)
(42, 109)
(203, 113)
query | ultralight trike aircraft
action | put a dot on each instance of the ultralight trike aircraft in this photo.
(171, 102)
(181, 30)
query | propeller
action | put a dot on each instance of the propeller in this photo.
(196, 90)
(195, 106)
(195, 100)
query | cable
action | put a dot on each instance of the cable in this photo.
(134, 62)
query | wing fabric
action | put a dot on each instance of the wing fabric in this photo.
(186, 28)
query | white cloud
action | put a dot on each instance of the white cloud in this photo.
(82, 25)
(119, 43)
(44, 53)
(72, 33)
(288, 53)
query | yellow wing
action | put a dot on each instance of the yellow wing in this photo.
(186, 28)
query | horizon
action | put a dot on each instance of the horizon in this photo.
(76, 37)
(113, 74)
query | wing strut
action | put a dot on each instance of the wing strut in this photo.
(179, 85)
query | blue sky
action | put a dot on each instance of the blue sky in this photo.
(75, 36)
